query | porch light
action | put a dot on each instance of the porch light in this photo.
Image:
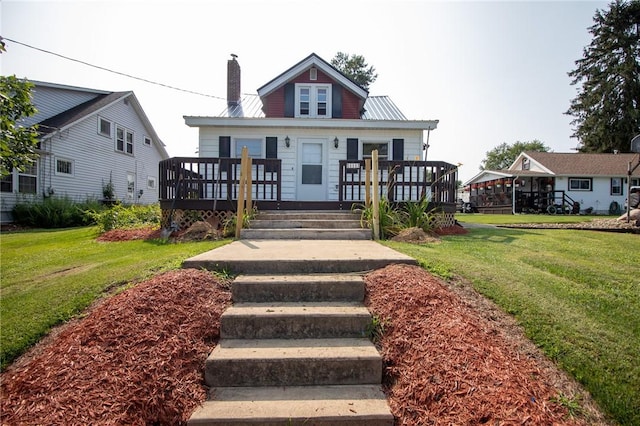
(287, 141)
(336, 142)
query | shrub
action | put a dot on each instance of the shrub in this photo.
(128, 217)
(54, 212)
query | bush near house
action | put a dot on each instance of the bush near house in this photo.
(55, 212)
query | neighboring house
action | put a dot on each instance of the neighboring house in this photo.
(88, 140)
(556, 183)
(310, 130)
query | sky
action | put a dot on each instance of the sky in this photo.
(490, 72)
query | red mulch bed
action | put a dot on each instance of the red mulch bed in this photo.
(115, 235)
(138, 358)
(451, 358)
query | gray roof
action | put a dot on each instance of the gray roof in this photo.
(376, 108)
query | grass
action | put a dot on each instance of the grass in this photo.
(50, 276)
(505, 219)
(576, 293)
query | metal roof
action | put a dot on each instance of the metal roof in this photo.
(375, 108)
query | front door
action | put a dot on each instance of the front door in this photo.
(312, 179)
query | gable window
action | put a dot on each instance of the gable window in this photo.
(253, 145)
(313, 100)
(104, 127)
(27, 180)
(124, 140)
(64, 167)
(616, 186)
(369, 147)
(580, 184)
(147, 140)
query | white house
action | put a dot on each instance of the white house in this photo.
(557, 182)
(88, 139)
(310, 117)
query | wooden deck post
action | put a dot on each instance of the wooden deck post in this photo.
(367, 182)
(241, 191)
(375, 196)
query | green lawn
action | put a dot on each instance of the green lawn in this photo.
(576, 293)
(50, 276)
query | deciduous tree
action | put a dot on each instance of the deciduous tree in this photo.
(502, 156)
(17, 142)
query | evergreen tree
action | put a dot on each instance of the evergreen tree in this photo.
(502, 156)
(356, 68)
(606, 110)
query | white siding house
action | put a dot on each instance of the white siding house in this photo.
(88, 139)
(310, 117)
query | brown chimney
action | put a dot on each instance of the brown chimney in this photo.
(233, 81)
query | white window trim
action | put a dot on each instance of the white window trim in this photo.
(263, 145)
(145, 139)
(67, 160)
(581, 179)
(313, 100)
(124, 141)
(100, 132)
(131, 185)
(363, 143)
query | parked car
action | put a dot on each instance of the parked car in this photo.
(634, 196)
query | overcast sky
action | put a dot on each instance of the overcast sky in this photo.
(491, 72)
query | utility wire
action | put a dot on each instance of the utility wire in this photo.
(112, 71)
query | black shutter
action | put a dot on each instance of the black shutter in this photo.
(398, 149)
(272, 152)
(336, 101)
(289, 99)
(352, 148)
(224, 146)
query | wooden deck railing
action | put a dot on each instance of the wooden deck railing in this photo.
(197, 182)
(401, 181)
(184, 178)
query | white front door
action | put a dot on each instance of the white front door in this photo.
(312, 161)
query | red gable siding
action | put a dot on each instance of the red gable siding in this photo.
(274, 102)
(350, 105)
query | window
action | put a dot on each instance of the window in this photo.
(369, 147)
(6, 183)
(151, 182)
(147, 140)
(616, 186)
(104, 127)
(254, 146)
(124, 140)
(579, 184)
(526, 165)
(64, 167)
(27, 180)
(313, 100)
(131, 184)
(313, 74)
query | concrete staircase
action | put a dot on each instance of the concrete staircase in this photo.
(306, 225)
(294, 351)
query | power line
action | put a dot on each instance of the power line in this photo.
(113, 71)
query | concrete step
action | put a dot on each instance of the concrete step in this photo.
(305, 234)
(293, 362)
(355, 405)
(307, 214)
(307, 223)
(298, 256)
(298, 288)
(294, 321)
